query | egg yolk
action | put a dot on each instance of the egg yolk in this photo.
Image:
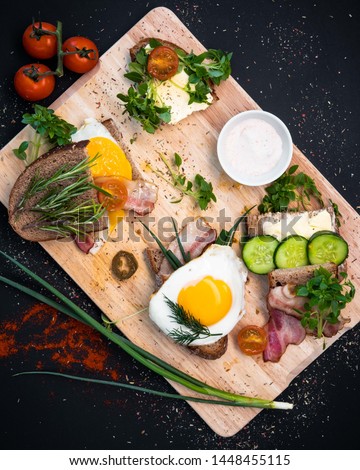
(209, 300)
(111, 161)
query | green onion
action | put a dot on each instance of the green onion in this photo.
(147, 359)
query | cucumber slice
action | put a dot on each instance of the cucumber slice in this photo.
(291, 253)
(327, 247)
(258, 254)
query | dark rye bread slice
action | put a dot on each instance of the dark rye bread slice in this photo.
(143, 42)
(23, 221)
(297, 276)
(209, 351)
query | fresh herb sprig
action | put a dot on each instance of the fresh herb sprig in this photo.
(57, 207)
(226, 237)
(49, 128)
(200, 189)
(142, 102)
(174, 261)
(212, 66)
(194, 329)
(147, 359)
(338, 214)
(327, 297)
(290, 187)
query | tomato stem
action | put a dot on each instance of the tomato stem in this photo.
(59, 69)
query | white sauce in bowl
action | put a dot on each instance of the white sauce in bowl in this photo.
(253, 147)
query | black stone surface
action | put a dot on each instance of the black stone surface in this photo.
(298, 60)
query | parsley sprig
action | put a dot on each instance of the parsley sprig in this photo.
(212, 66)
(290, 187)
(327, 297)
(49, 128)
(142, 102)
(194, 329)
(199, 189)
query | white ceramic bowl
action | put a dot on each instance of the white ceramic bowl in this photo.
(273, 173)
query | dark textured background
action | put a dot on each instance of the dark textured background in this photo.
(297, 59)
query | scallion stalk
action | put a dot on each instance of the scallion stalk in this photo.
(148, 360)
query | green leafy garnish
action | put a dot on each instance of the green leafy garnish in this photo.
(49, 129)
(194, 329)
(337, 213)
(226, 236)
(327, 297)
(142, 102)
(290, 188)
(169, 255)
(212, 66)
(150, 361)
(57, 207)
(200, 190)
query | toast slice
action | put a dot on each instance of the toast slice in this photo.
(143, 42)
(297, 276)
(172, 93)
(23, 220)
(210, 351)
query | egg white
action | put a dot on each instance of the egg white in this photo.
(220, 262)
(91, 128)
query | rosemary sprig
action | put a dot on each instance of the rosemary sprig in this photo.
(195, 329)
(144, 357)
(74, 220)
(39, 184)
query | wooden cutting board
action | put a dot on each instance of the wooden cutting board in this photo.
(94, 95)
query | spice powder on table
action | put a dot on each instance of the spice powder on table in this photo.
(62, 341)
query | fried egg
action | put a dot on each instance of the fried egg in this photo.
(111, 159)
(210, 287)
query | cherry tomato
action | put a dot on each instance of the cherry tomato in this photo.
(84, 57)
(252, 339)
(116, 187)
(33, 89)
(37, 44)
(162, 63)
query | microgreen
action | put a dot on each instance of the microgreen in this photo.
(200, 189)
(149, 360)
(194, 329)
(49, 128)
(142, 102)
(290, 187)
(327, 296)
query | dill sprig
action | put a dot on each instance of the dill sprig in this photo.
(195, 329)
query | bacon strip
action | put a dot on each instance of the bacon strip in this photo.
(282, 330)
(141, 197)
(283, 298)
(194, 237)
(85, 244)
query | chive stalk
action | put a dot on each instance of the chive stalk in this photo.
(147, 359)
